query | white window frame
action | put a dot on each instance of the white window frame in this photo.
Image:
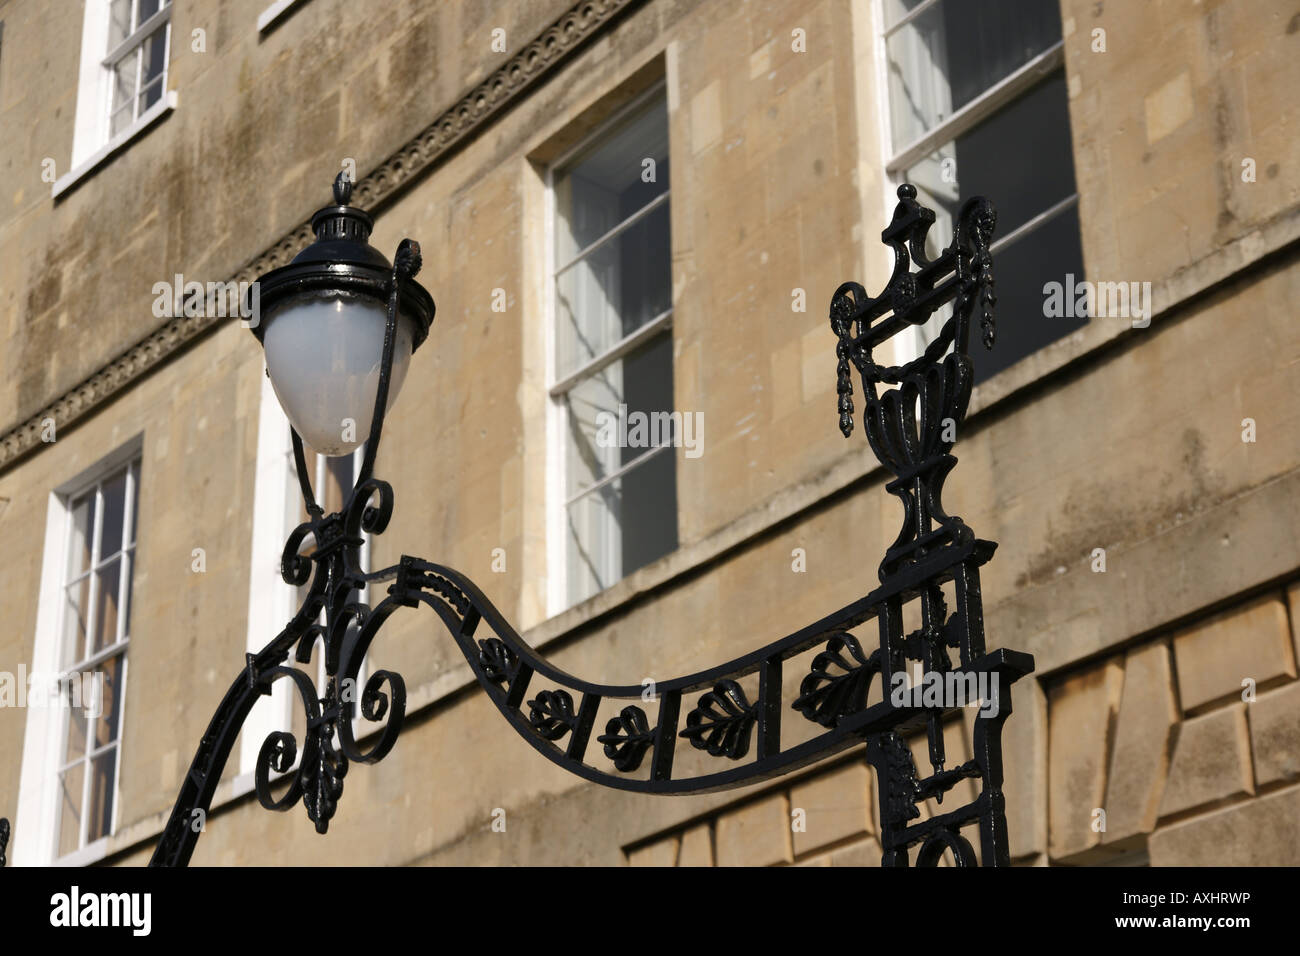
(36, 826)
(556, 417)
(92, 142)
(275, 13)
(898, 159)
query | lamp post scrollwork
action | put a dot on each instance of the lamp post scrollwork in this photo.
(911, 427)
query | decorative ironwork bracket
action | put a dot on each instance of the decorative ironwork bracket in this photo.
(911, 428)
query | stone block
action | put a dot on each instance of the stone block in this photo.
(1169, 107)
(697, 847)
(1139, 764)
(1262, 832)
(1211, 760)
(1275, 734)
(1293, 600)
(1215, 656)
(836, 805)
(706, 117)
(817, 364)
(1024, 760)
(1080, 709)
(660, 853)
(757, 834)
(865, 853)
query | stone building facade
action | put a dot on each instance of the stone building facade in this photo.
(1138, 461)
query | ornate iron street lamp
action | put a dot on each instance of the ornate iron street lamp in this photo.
(339, 326)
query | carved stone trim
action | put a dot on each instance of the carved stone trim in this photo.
(474, 110)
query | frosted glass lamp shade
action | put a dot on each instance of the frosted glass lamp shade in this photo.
(323, 319)
(324, 351)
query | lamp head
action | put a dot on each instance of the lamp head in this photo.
(322, 323)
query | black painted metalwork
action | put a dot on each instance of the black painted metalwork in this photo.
(911, 428)
(4, 839)
(340, 260)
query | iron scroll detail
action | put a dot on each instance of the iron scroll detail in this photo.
(847, 693)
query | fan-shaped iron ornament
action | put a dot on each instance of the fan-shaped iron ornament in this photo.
(911, 427)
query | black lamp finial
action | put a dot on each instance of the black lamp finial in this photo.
(342, 188)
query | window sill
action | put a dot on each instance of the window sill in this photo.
(274, 14)
(89, 854)
(148, 118)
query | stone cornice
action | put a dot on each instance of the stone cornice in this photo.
(470, 114)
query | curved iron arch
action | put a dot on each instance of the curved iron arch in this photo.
(636, 751)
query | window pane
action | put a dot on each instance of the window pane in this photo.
(895, 10)
(622, 525)
(70, 795)
(649, 515)
(1021, 269)
(107, 580)
(107, 699)
(151, 95)
(152, 67)
(75, 702)
(114, 497)
(124, 76)
(955, 51)
(920, 96)
(648, 395)
(119, 22)
(613, 291)
(606, 183)
(135, 498)
(75, 613)
(591, 454)
(594, 551)
(1020, 157)
(619, 414)
(992, 39)
(103, 772)
(121, 120)
(83, 530)
(147, 9)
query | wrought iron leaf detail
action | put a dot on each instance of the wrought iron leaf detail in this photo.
(722, 722)
(454, 595)
(322, 779)
(838, 682)
(627, 737)
(551, 714)
(497, 660)
(903, 790)
(843, 312)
